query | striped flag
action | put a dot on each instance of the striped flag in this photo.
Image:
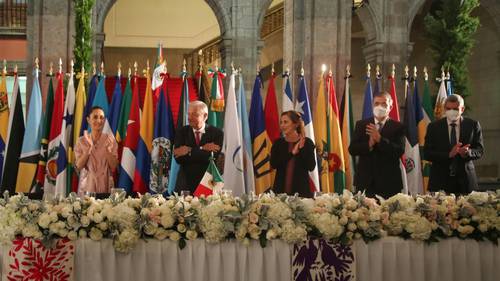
(114, 109)
(320, 132)
(216, 106)
(30, 151)
(429, 116)
(271, 112)
(182, 120)
(80, 103)
(202, 85)
(347, 127)
(121, 129)
(304, 109)
(144, 146)
(413, 115)
(287, 99)
(65, 146)
(336, 162)
(161, 153)
(211, 181)
(247, 140)
(47, 117)
(94, 82)
(233, 161)
(15, 134)
(261, 143)
(4, 120)
(127, 165)
(368, 101)
(54, 137)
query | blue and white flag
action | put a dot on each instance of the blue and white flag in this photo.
(246, 138)
(101, 100)
(114, 109)
(287, 101)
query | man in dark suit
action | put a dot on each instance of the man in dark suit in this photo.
(379, 142)
(194, 144)
(451, 144)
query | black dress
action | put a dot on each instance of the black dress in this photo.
(292, 171)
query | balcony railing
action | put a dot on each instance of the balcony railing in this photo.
(13, 17)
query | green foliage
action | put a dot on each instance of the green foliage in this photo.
(450, 29)
(83, 34)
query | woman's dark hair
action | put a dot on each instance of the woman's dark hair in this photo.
(95, 107)
(296, 119)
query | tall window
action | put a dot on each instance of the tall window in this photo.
(13, 17)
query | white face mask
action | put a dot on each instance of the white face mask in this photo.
(452, 115)
(380, 111)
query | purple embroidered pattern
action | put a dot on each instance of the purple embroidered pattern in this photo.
(321, 260)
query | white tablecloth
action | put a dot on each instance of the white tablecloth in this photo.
(382, 260)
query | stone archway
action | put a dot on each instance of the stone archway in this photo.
(371, 22)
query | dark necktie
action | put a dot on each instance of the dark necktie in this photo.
(453, 134)
(453, 142)
(197, 137)
(380, 126)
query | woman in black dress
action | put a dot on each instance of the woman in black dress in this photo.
(293, 157)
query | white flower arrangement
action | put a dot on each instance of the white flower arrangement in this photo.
(220, 217)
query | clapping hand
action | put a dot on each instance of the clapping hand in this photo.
(210, 147)
(299, 145)
(372, 131)
(464, 150)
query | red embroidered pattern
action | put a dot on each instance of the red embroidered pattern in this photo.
(30, 260)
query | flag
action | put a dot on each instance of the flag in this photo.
(449, 84)
(143, 156)
(114, 109)
(440, 100)
(261, 144)
(4, 120)
(216, 106)
(304, 109)
(157, 79)
(47, 118)
(233, 142)
(80, 104)
(202, 85)
(161, 153)
(65, 147)
(347, 127)
(121, 129)
(336, 163)
(271, 112)
(211, 181)
(15, 134)
(89, 103)
(247, 140)
(394, 114)
(368, 101)
(182, 120)
(320, 133)
(413, 115)
(287, 100)
(429, 116)
(31, 142)
(127, 165)
(101, 100)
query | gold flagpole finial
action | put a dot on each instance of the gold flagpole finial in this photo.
(330, 72)
(119, 72)
(302, 68)
(258, 68)
(426, 75)
(4, 69)
(94, 68)
(15, 69)
(407, 70)
(82, 71)
(60, 65)
(443, 74)
(102, 68)
(233, 69)
(51, 69)
(147, 67)
(393, 71)
(184, 68)
(377, 70)
(72, 65)
(415, 72)
(37, 65)
(323, 69)
(272, 68)
(368, 70)
(135, 68)
(348, 71)
(129, 72)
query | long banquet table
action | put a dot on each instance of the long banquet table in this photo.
(386, 259)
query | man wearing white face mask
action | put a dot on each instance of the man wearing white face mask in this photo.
(379, 142)
(451, 144)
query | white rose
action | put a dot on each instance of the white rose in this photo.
(363, 225)
(77, 206)
(181, 228)
(150, 229)
(95, 234)
(254, 231)
(82, 233)
(103, 226)
(53, 217)
(161, 234)
(352, 227)
(272, 234)
(72, 235)
(85, 221)
(343, 220)
(191, 234)
(44, 220)
(97, 218)
(174, 236)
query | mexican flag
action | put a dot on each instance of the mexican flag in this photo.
(211, 181)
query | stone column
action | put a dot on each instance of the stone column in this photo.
(50, 31)
(317, 32)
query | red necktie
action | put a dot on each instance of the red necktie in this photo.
(197, 137)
